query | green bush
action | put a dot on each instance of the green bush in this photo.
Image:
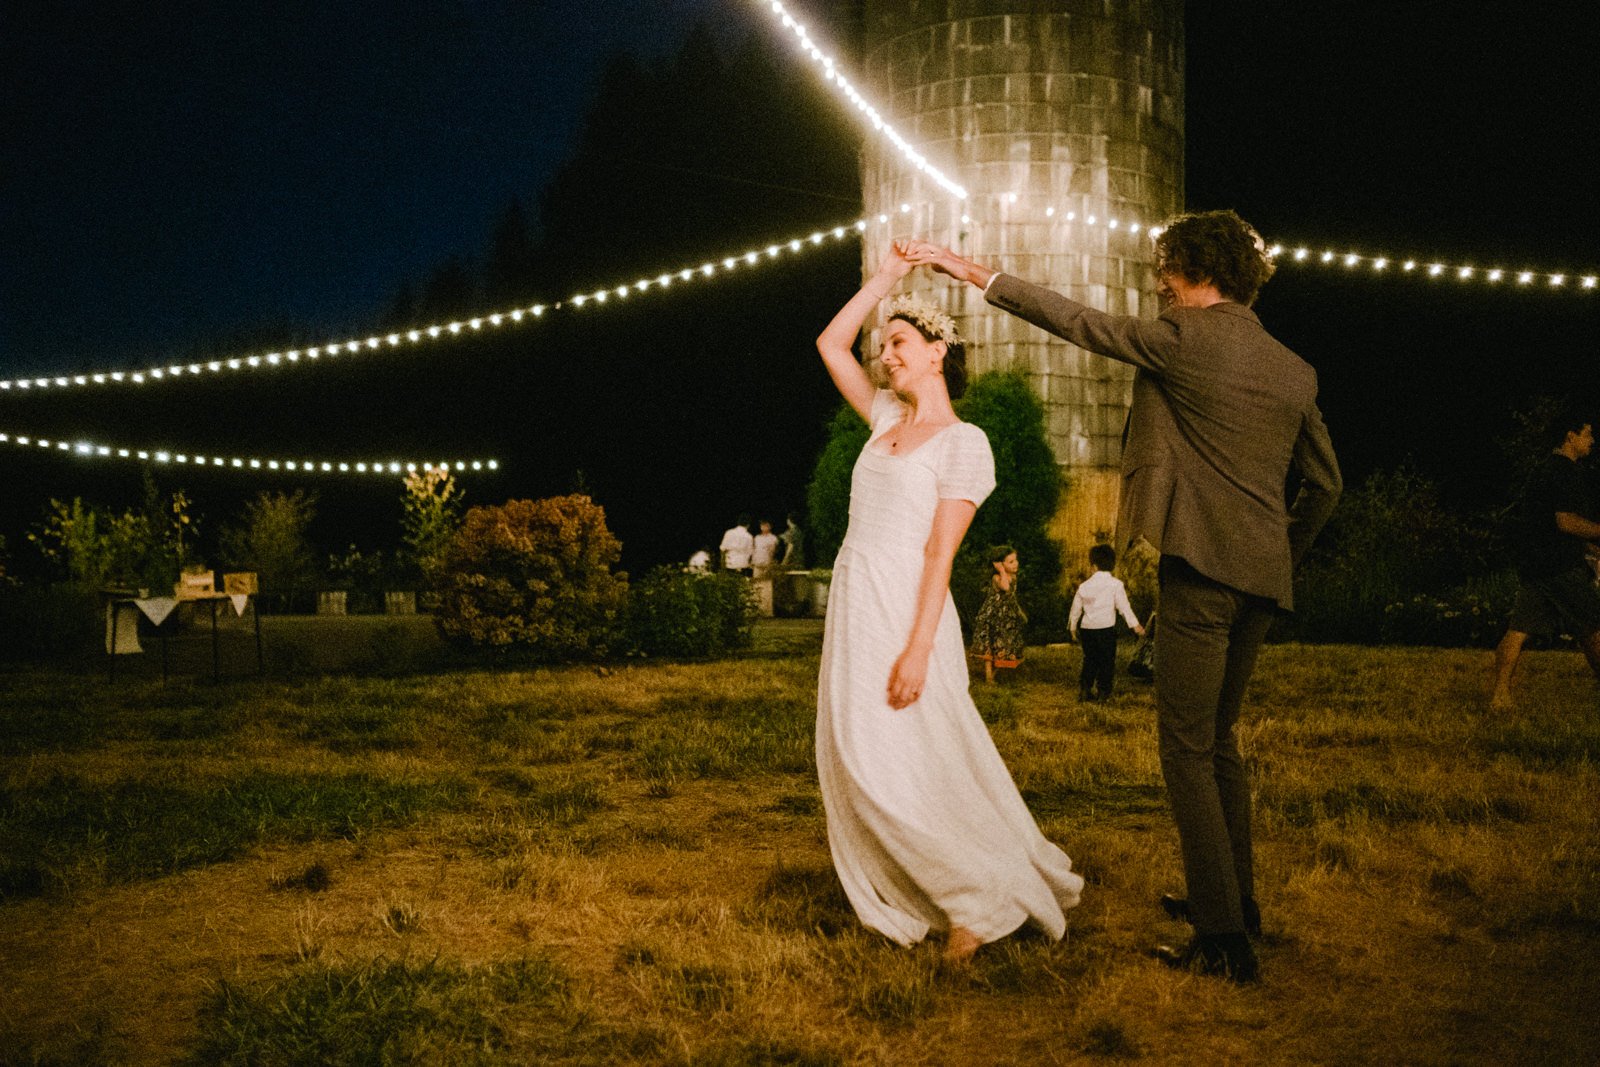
(533, 576)
(828, 494)
(1472, 615)
(1027, 493)
(364, 576)
(93, 547)
(674, 612)
(431, 516)
(1391, 567)
(270, 539)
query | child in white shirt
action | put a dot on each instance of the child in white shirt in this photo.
(1093, 622)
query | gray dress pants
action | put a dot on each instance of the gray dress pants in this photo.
(1205, 651)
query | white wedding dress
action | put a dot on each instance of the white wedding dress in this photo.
(926, 827)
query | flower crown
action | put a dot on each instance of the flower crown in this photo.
(926, 317)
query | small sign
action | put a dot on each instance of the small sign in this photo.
(242, 583)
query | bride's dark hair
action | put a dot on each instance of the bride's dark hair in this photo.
(954, 364)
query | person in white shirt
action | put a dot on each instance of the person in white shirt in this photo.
(737, 546)
(764, 552)
(1093, 622)
(700, 562)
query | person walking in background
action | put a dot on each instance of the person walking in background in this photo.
(1555, 526)
(1093, 622)
(1220, 413)
(794, 551)
(927, 830)
(737, 546)
(997, 628)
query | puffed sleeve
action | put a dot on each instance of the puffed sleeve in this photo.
(886, 408)
(966, 469)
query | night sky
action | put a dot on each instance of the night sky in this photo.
(178, 173)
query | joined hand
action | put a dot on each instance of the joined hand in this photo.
(920, 253)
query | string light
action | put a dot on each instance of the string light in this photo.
(293, 356)
(384, 467)
(1461, 272)
(719, 265)
(830, 71)
(445, 330)
(1306, 255)
(734, 261)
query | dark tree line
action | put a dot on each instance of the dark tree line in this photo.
(679, 409)
(676, 410)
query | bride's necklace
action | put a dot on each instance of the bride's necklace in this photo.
(905, 429)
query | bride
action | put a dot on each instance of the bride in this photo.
(927, 830)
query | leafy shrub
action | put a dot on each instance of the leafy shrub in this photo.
(1391, 542)
(1027, 493)
(270, 539)
(828, 494)
(94, 547)
(1472, 615)
(674, 612)
(363, 575)
(431, 516)
(533, 576)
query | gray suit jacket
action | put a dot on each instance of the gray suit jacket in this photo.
(1220, 411)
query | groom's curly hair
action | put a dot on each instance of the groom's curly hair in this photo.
(1219, 247)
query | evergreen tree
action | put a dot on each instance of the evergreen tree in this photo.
(686, 406)
(1027, 493)
(828, 494)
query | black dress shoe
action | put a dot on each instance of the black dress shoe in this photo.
(1178, 908)
(1225, 955)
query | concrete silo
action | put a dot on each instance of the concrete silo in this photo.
(1051, 113)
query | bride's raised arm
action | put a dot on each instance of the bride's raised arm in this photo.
(837, 341)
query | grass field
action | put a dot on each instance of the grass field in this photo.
(629, 865)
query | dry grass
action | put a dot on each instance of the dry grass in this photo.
(569, 866)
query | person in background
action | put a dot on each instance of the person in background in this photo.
(1093, 622)
(997, 629)
(794, 555)
(737, 545)
(1556, 527)
(700, 562)
(764, 549)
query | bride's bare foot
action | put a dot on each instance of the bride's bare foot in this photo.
(959, 946)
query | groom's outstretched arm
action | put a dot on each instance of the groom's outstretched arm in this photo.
(1141, 342)
(1144, 343)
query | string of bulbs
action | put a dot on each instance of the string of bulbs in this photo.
(388, 467)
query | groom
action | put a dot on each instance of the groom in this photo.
(1220, 412)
